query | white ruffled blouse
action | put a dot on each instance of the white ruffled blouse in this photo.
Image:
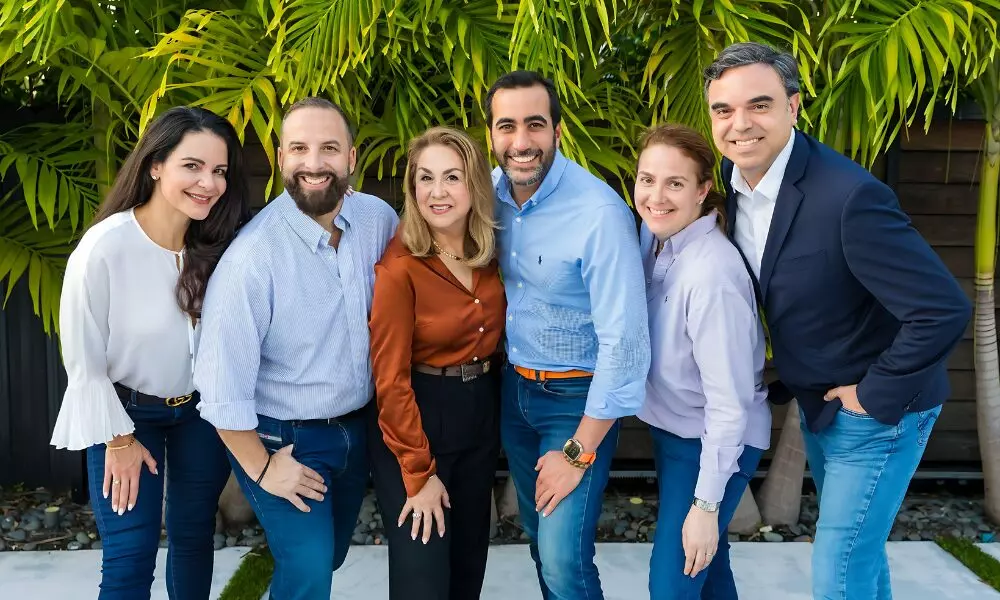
(119, 322)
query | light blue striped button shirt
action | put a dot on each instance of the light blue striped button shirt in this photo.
(284, 329)
(574, 284)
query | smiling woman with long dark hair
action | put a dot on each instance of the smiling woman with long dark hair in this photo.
(130, 306)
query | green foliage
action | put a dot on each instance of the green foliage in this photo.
(107, 67)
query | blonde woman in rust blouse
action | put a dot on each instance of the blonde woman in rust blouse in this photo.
(436, 323)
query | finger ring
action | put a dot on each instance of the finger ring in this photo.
(416, 515)
(116, 482)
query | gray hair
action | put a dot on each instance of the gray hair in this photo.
(751, 53)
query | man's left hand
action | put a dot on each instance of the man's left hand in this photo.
(848, 395)
(556, 480)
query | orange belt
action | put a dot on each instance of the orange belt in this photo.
(543, 375)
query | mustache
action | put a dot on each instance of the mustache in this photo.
(305, 173)
(524, 154)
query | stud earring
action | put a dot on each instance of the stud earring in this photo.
(156, 177)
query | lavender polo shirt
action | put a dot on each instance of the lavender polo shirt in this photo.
(706, 378)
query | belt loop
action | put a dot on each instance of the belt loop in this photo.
(132, 398)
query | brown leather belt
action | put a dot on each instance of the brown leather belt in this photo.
(467, 372)
(536, 375)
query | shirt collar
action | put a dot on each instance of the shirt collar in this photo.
(547, 187)
(312, 234)
(680, 240)
(770, 184)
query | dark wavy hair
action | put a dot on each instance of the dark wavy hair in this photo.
(204, 241)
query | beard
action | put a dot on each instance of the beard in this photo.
(519, 177)
(317, 202)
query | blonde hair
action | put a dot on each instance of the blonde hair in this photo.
(480, 238)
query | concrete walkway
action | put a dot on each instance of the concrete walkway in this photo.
(921, 571)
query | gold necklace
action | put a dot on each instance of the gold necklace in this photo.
(445, 252)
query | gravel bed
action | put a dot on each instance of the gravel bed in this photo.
(39, 520)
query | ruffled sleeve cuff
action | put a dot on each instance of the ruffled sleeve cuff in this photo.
(91, 413)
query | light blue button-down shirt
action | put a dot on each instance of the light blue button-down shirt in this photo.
(575, 292)
(284, 329)
(707, 375)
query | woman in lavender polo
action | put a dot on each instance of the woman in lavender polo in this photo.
(706, 402)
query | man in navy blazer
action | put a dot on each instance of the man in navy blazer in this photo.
(861, 313)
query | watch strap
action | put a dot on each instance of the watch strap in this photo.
(706, 506)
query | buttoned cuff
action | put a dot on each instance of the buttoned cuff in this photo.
(711, 487)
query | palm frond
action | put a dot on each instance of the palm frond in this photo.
(39, 254)
(887, 62)
(54, 165)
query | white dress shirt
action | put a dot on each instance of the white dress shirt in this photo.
(754, 208)
(119, 322)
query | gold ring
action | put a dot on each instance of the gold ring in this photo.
(116, 482)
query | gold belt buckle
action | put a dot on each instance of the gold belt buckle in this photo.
(175, 401)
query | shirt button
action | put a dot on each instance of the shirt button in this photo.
(519, 284)
(518, 219)
(513, 253)
(475, 358)
(477, 300)
(481, 330)
(514, 349)
(510, 318)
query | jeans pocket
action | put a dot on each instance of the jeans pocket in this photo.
(925, 424)
(855, 414)
(271, 435)
(576, 387)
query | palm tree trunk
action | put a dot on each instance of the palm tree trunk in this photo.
(986, 359)
(780, 497)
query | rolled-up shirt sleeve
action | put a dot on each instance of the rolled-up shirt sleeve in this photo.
(91, 412)
(722, 327)
(612, 272)
(235, 318)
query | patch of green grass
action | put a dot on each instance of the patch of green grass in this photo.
(982, 564)
(252, 578)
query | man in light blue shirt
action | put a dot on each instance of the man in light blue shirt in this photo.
(577, 335)
(283, 361)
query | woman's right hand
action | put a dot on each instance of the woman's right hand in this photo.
(427, 507)
(121, 471)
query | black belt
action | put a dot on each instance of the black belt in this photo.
(467, 372)
(357, 412)
(126, 394)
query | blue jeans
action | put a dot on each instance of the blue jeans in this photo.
(195, 473)
(677, 467)
(536, 417)
(309, 546)
(862, 469)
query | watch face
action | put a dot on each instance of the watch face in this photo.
(573, 449)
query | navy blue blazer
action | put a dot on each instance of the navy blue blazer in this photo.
(851, 292)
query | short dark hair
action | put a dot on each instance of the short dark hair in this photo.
(317, 102)
(524, 79)
(752, 53)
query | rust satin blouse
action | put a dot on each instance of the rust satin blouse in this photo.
(421, 313)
